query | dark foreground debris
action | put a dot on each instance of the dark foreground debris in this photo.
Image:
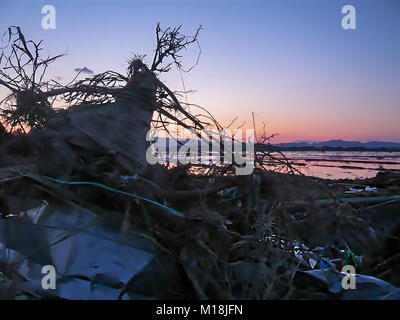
(207, 247)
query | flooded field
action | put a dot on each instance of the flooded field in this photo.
(344, 164)
(325, 164)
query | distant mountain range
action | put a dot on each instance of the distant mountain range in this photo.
(307, 145)
(339, 144)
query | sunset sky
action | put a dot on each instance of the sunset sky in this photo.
(288, 61)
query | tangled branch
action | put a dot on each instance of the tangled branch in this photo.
(22, 71)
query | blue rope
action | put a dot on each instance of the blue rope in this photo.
(173, 211)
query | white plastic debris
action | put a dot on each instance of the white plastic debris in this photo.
(366, 189)
(354, 190)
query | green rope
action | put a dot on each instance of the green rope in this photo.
(96, 184)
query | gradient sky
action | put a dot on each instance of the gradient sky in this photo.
(288, 61)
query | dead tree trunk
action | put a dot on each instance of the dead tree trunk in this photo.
(98, 138)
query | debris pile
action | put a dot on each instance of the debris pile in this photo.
(83, 200)
(130, 241)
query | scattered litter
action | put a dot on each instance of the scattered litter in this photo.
(354, 190)
(93, 260)
(126, 179)
(366, 189)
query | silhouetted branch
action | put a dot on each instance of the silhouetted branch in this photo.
(170, 42)
(22, 71)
